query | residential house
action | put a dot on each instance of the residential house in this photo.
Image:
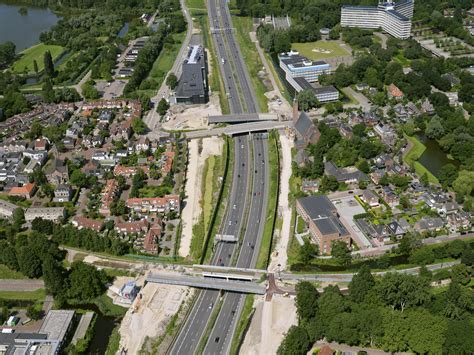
(69, 143)
(427, 107)
(346, 131)
(81, 222)
(109, 194)
(323, 221)
(143, 144)
(429, 224)
(58, 173)
(62, 193)
(27, 191)
(39, 155)
(347, 175)
(386, 133)
(395, 229)
(394, 92)
(49, 213)
(390, 197)
(167, 162)
(370, 198)
(134, 227)
(106, 116)
(7, 209)
(309, 186)
(41, 144)
(459, 220)
(151, 244)
(154, 204)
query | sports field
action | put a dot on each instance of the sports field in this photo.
(320, 49)
(35, 53)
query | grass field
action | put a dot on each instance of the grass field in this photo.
(333, 48)
(35, 53)
(7, 273)
(251, 58)
(165, 60)
(196, 5)
(37, 295)
(411, 159)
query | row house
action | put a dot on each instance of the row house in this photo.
(81, 222)
(151, 242)
(134, 227)
(109, 194)
(154, 204)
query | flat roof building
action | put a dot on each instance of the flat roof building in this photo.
(7, 209)
(49, 213)
(392, 17)
(296, 66)
(323, 221)
(322, 93)
(193, 87)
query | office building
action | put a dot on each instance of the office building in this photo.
(392, 17)
(323, 221)
(322, 93)
(296, 66)
(193, 87)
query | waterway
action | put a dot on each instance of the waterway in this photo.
(24, 30)
(434, 158)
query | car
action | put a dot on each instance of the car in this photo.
(211, 305)
(234, 207)
(216, 340)
(230, 223)
(242, 146)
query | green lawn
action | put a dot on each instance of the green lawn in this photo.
(35, 53)
(411, 159)
(196, 5)
(37, 295)
(251, 58)
(402, 60)
(7, 273)
(352, 99)
(165, 60)
(320, 49)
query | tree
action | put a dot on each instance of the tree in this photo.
(36, 129)
(306, 100)
(138, 126)
(78, 178)
(85, 282)
(118, 208)
(296, 342)
(48, 64)
(308, 252)
(461, 274)
(408, 244)
(328, 183)
(459, 337)
(7, 53)
(422, 256)
(34, 313)
(48, 91)
(447, 175)
(434, 128)
(162, 107)
(361, 284)
(401, 290)
(424, 180)
(29, 262)
(464, 184)
(306, 300)
(172, 81)
(426, 332)
(38, 176)
(18, 218)
(42, 225)
(54, 276)
(35, 66)
(341, 252)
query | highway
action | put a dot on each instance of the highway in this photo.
(240, 211)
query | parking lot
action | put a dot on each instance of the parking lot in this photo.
(348, 207)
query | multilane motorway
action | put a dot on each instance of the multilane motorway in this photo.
(240, 209)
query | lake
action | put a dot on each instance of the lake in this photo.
(434, 158)
(24, 30)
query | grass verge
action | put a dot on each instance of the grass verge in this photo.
(243, 325)
(165, 60)
(412, 156)
(320, 49)
(29, 55)
(272, 203)
(216, 81)
(114, 342)
(37, 295)
(243, 26)
(7, 273)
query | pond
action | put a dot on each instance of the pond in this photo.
(123, 31)
(24, 30)
(104, 326)
(434, 158)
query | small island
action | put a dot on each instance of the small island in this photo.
(23, 11)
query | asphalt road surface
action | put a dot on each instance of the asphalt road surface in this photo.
(246, 164)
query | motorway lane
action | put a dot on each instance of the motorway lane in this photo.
(220, 338)
(195, 325)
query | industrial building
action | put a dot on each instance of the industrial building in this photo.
(193, 87)
(392, 17)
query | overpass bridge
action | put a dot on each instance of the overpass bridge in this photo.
(242, 118)
(239, 129)
(215, 281)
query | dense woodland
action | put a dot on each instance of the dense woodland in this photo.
(396, 312)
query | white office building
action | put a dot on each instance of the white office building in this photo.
(297, 66)
(392, 17)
